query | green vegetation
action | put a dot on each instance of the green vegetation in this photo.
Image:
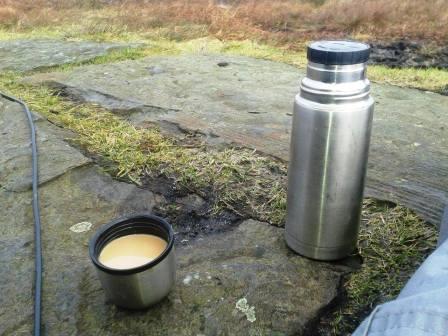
(393, 242)
(425, 79)
(394, 238)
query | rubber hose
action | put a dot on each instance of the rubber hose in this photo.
(36, 214)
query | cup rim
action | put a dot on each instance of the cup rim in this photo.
(119, 225)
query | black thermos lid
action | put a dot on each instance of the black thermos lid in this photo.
(338, 52)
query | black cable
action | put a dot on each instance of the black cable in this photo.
(36, 213)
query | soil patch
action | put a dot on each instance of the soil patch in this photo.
(404, 53)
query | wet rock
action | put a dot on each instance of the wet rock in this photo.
(253, 263)
(24, 55)
(244, 102)
(72, 191)
(284, 292)
(249, 102)
(216, 274)
(55, 156)
(81, 195)
(408, 54)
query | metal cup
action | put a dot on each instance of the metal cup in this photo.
(143, 286)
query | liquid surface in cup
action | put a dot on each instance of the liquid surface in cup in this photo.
(132, 251)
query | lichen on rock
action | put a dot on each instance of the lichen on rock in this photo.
(249, 311)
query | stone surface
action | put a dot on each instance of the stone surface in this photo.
(250, 262)
(55, 156)
(80, 195)
(24, 55)
(285, 292)
(249, 102)
(237, 99)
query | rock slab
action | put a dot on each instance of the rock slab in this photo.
(55, 156)
(25, 55)
(248, 102)
(240, 282)
(283, 292)
(72, 190)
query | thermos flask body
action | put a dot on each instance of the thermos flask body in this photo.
(328, 155)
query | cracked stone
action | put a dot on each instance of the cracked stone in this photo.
(248, 102)
(55, 156)
(25, 55)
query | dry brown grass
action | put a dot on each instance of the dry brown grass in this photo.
(8, 15)
(261, 19)
(283, 22)
(28, 14)
(421, 19)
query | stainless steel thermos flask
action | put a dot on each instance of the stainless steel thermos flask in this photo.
(329, 148)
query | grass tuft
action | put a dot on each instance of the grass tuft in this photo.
(424, 79)
(393, 242)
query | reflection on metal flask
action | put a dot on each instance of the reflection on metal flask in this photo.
(329, 149)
